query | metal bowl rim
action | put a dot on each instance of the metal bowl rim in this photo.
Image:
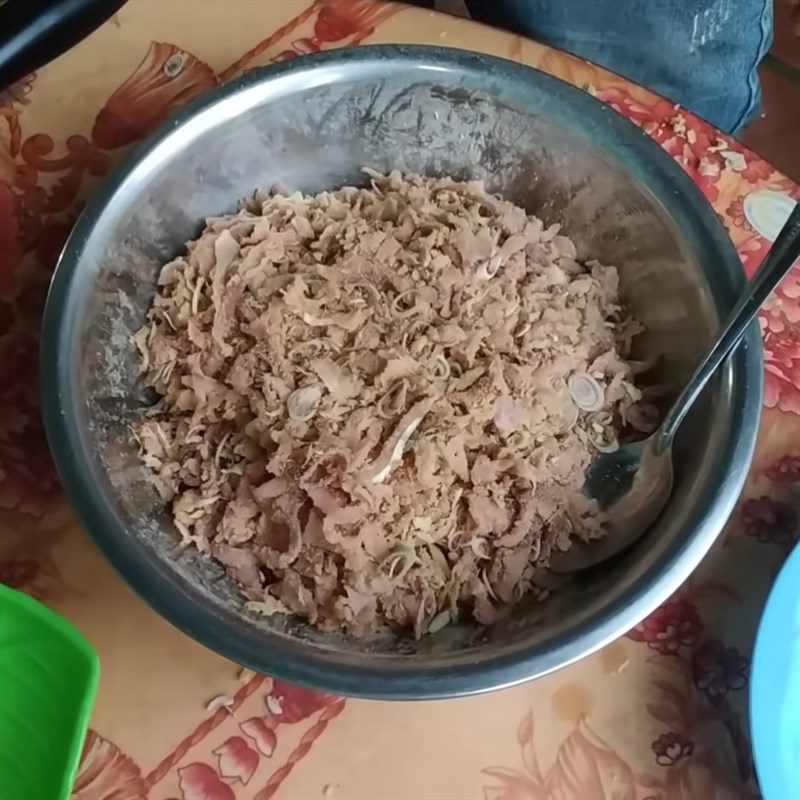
(288, 659)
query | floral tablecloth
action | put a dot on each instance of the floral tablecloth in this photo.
(661, 713)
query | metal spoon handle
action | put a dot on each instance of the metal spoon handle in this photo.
(782, 255)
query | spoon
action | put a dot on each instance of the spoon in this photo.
(632, 484)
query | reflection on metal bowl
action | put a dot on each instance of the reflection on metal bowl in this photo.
(310, 124)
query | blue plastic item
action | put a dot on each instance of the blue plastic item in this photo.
(775, 688)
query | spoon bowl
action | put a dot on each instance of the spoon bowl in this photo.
(633, 484)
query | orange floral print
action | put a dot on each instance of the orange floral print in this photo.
(166, 78)
(585, 766)
(106, 773)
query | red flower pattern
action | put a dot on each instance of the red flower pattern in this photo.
(752, 252)
(780, 327)
(782, 370)
(337, 21)
(703, 168)
(757, 169)
(237, 760)
(19, 573)
(645, 116)
(735, 214)
(780, 321)
(785, 470)
(262, 733)
(782, 308)
(670, 748)
(674, 625)
(344, 18)
(770, 521)
(198, 781)
(288, 703)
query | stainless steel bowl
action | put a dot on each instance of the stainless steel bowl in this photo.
(312, 124)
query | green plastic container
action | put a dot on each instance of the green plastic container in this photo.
(48, 683)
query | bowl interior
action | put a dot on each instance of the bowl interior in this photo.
(535, 141)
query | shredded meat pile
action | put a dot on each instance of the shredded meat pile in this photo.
(377, 404)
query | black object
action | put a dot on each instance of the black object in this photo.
(34, 32)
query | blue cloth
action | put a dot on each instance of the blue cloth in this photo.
(702, 54)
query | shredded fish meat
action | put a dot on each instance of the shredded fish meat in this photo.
(374, 403)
